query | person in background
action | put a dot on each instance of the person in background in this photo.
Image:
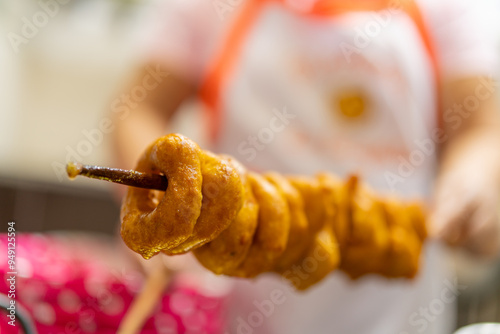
(398, 91)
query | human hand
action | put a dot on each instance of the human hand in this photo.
(465, 209)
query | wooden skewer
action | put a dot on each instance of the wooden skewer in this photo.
(143, 305)
(121, 176)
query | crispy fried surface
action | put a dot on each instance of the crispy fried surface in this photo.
(405, 245)
(273, 227)
(221, 185)
(229, 249)
(310, 190)
(335, 199)
(243, 224)
(321, 259)
(369, 234)
(150, 222)
(298, 238)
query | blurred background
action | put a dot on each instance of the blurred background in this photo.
(57, 86)
(55, 90)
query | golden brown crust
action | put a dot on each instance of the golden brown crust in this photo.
(151, 222)
(273, 226)
(221, 186)
(229, 249)
(298, 238)
(368, 242)
(320, 259)
(243, 224)
(335, 200)
(405, 246)
(310, 190)
(417, 214)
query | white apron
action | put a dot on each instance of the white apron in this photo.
(304, 87)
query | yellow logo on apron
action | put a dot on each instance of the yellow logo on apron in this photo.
(351, 104)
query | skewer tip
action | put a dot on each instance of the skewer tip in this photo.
(73, 169)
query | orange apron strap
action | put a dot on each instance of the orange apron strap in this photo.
(224, 62)
(337, 7)
(412, 10)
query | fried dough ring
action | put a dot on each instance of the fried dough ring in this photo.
(309, 189)
(298, 239)
(369, 233)
(222, 192)
(405, 246)
(271, 236)
(149, 226)
(321, 259)
(417, 214)
(243, 224)
(335, 197)
(229, 249)
(323, 250)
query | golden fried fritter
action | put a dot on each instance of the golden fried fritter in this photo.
(309, 188)
(273, 227)
(320, 259)
(148, 226)
(369, 234)
(405, 245)
(298, 239)
(417, 214)
(230, 248)
(222, 192)
(335, 200)
(242, 224)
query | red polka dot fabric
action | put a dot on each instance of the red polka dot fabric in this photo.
(64, 291)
